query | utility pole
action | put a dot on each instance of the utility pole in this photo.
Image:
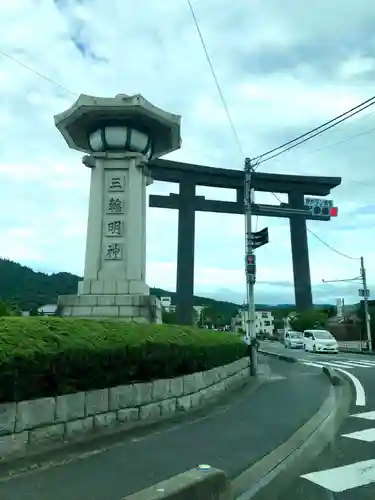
(362, 292)
(250, 270)
(365, 304)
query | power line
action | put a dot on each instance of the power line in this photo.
(37, 72)
(221, 94)
(316, 131)
(350, 138)
(331, 247)
(292, 146)
(222, 98)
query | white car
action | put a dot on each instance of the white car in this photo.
(293, 340)
(319, 341)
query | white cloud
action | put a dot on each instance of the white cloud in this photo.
(282, 70)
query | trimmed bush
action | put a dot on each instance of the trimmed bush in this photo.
(45, 356)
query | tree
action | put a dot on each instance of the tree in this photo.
(278, 323)
(5, 309)
(308, 320)
(330, 311)
(169, 318)
(215, 317)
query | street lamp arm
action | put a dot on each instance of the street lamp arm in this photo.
(341, 281)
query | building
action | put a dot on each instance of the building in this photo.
(264, 322)
(340, 308)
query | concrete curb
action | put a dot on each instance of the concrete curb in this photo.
(333, 375)
(282, 357)
(263, 479)
(204, 482)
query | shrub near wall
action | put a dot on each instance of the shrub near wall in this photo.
(41, 357)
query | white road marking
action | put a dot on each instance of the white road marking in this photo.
(344, 478)
(368, 415)
(358, 362)
(365, 435)
(360, 392)
(343, 364)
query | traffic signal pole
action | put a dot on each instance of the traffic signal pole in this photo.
(250, 269)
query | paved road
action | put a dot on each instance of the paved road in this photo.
(233, 437)
(343, 360)
(346, 469)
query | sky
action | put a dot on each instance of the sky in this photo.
(283, 67)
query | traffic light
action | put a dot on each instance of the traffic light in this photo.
(250, 264)
(259, 238)
(321, 207)
(319, 210)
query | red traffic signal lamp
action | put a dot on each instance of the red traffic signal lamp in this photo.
(334, 212)
(250, 259)
(250, 264)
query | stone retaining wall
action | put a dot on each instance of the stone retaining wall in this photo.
(30, 426)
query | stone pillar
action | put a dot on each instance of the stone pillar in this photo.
(116, 234)
(121, 135)
(300, 255)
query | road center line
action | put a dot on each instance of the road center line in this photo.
(360, 392)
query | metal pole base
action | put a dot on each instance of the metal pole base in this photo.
(253, 353)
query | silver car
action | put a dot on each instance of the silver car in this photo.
(293, 340)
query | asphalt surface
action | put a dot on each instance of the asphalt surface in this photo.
(231, 437)
(325, 478)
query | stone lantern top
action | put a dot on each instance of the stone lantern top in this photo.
(89, 114)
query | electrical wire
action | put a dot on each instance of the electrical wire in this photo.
(257, 159)
(29, 68)
(221, 94)
(315, 132)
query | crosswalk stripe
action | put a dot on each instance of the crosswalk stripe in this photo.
(358, 361)
(342, 365)
(368, 415)
(344, 478)
(364, 435)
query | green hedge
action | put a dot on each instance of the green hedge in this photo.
(44, 356)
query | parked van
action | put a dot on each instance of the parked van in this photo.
(319, 341)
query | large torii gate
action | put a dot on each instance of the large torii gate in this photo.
(188, 176)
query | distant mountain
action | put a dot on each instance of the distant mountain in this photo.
(28, 289)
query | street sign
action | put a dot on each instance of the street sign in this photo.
(363, 293)
(259, 238)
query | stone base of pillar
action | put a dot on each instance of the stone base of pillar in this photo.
(112, 287)
(133, 308)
